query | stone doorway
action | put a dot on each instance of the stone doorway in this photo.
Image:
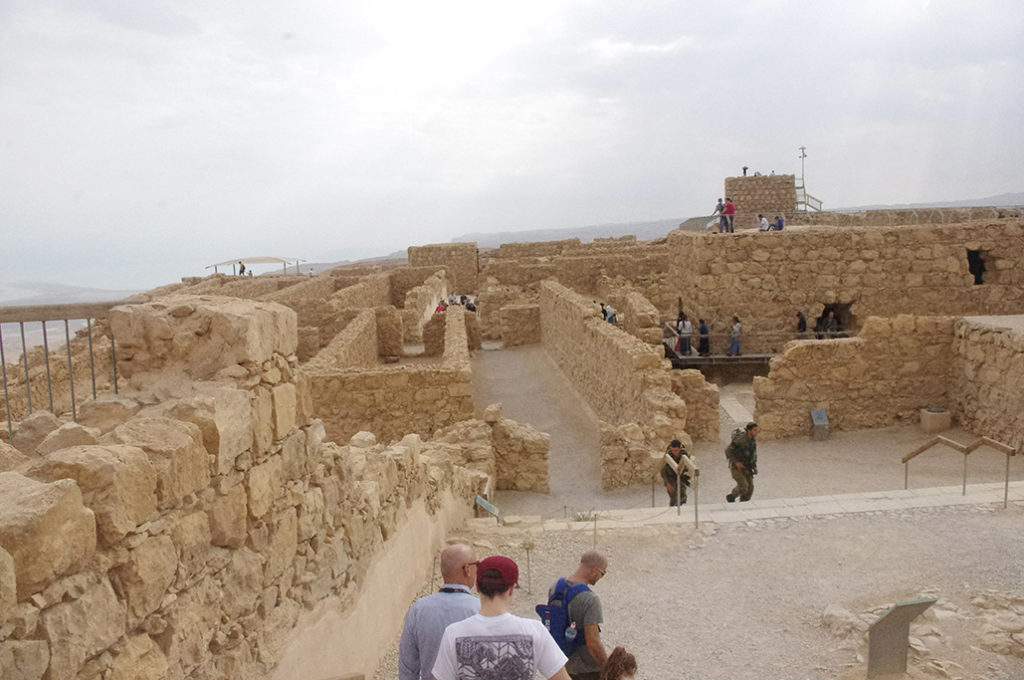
(846, 321)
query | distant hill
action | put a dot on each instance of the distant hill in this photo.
(644, 231)
(1015, 200)
(24, 293)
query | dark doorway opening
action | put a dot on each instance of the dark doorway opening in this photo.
(836, 321)
(976, 265)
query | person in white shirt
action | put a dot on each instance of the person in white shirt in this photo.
(495, 642)
(764, 223)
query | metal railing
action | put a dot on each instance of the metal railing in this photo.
(42, 314)
(966, 450)
(686, 464)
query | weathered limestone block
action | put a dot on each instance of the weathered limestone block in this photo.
(243, 582)
(45, 528)
(68, 434)
(362, 440)
(311, 513)
(223, 416)
(118, 484)
(294, 456)
(175, 449)
(31, 431)
(264, 486)
(283, 544)
(201, 335)
(284, 410)
(145, 577)
(11, 458)
(262, 419)
(24, 659)
(82, 628)
(141, 659)
(521, 454)
(8, 586)
(492, 413)
(107, 412)
(191, 624)
(191, 537)
(227, 518)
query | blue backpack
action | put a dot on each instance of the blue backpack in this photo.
(555, 615)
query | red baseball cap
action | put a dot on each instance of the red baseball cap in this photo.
(503, 565)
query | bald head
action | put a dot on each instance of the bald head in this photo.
(456, 565)
(593, 566)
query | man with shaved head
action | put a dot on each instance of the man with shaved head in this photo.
(430, 615)
(588, 658)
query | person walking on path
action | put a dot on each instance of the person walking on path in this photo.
(430, 615)
(730, 213)
(621, 665)
(704, 342)
(685, 329)
(495, 643)
(680, 458)
(742, 456)
(734, 337)
(586, 662)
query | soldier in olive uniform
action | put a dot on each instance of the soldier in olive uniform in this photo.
(742, 456)
(677, 452)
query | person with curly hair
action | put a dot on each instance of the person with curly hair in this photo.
(621, 665)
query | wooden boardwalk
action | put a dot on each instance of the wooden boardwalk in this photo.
(695, 360)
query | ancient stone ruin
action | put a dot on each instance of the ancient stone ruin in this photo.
(274, 440)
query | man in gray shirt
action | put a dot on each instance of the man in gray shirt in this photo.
(586, 662)
(430, 615)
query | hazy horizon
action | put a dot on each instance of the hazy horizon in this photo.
(144, 141)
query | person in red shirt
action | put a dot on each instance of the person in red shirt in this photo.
(729, 211)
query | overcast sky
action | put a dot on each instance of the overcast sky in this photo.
(142, 141)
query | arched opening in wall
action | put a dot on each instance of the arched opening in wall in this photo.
(976, 264)
(836, 321)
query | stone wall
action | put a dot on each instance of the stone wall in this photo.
(626, 381)
(902, 217)
(765, 278)
(372, 291)
(353, 347)
(520, 325)
(769, 194)
(393, 401)
(419, 305)
(461, 260)
(891, 370)
(639, 317)
(701, 399)
(210, 529)
(986, 379)
(407, 279)
(582, 273)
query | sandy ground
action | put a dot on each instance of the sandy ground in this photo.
(747, 600)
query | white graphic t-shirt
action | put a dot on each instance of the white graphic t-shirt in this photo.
(504, 647)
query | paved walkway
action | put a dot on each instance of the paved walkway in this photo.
(773, 508)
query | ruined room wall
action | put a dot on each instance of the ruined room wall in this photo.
(987, 380)
(624, 380)
(892, 369)
(765, 278)
(902, 217)
(404, 280)
(581, 273)
(373, 291)
(769, 194)
(492, 298)
(701, 399)
(197, 539)
(640, 318)
(461, 260)
(419, 304)
(354, 347)
(393, 401)
(520, 325)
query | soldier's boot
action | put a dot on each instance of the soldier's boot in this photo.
(730, 498)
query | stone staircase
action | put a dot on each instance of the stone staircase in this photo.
(771, 508)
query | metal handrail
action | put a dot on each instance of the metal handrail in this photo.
(966, 450)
